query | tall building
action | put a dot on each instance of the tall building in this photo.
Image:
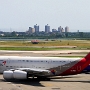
(66, 29)
(36, 28)
(60, 29)
(47, 28)
(31, 30)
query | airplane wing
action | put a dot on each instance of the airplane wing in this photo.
(35, 72)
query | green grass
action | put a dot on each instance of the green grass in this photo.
(31, 48)
(43, 45)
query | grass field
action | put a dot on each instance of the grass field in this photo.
(45, 45)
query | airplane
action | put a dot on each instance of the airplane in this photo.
(23, 67)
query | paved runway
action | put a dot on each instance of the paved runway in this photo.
(44, 53)
(76, 82)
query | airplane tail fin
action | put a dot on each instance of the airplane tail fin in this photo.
(87, 57)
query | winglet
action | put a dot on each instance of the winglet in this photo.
(87, 56)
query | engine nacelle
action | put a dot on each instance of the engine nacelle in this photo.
(8, 75)
(17, 74)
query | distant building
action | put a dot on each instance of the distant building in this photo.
(2, 34)
(54, 30)
(60, 29)
(66, 29)
(47, 28)
(78, 31)
(36, 28)
(31, 30)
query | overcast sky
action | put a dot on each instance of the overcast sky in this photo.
(21, 14)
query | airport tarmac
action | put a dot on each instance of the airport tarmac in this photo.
(44, 53)
(74, 82)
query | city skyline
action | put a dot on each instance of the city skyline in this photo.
(57, 29)
(47, 29)
(18, 15)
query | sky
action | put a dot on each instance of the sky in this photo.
(19, 15)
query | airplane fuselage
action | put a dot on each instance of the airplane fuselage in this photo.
(57, 66)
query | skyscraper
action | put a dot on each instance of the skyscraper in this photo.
(66, 29)
(36, 28)
(31, 30)
(60, 29)
(47, 28)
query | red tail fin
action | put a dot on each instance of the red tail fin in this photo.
(87, 57)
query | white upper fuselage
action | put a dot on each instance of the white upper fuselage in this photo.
(13, 62)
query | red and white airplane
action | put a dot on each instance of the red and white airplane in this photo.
(16, 67)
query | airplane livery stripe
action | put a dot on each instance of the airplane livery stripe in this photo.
(77, 68)
(63, 68)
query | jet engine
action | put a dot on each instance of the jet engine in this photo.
(17, 74)
(8, 75)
